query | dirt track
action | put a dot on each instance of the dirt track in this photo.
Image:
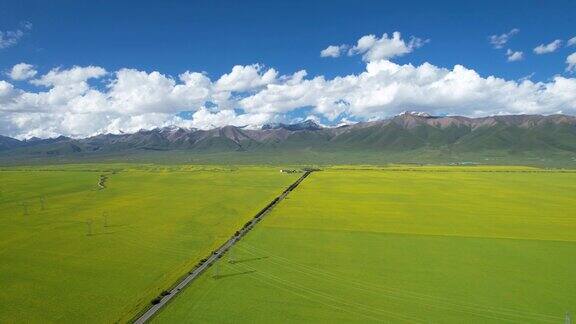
(102, 182)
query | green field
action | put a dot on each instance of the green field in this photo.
(426, 245)
(71, 253)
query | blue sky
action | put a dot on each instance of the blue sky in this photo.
(212, 36)
(172, 37)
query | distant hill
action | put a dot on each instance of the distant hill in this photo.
(402, 134)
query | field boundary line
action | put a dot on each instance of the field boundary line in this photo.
(204, 264)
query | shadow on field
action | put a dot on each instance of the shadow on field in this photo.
(248, 260)
(234, 274)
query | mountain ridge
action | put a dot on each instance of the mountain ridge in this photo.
(404, 132)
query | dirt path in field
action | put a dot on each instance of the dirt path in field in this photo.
(161, 300)
(103, 178)
(102, 181)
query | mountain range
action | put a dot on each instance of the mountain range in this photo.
(514, 134)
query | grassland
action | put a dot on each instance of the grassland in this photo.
(304, 157)
(71, 253)
(427, 245)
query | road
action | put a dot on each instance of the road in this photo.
(150, 312)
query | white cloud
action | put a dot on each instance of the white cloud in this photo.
(386, 88)
(136, 92)
(127, 100)
(514, 56)
(244, 78)
(22, 71)
(498, 41)
(7, 92)
(75, 75)
(571, 61)
(69, 90)
(373, 48)
(333, 51)
(548, 48)
(571, 42)
(12, 37)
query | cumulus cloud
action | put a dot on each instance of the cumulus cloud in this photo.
(386, 88)
(22, 71)
(571, 41)
(333, 51)
(548, 48)
(127, 100)
(83, 101)
(373, 48)
(7, 92)
(136, 92)
(75, 75)
(244, 78)
(498, 41)
(12, 37)
(571, 61)
(514, 56)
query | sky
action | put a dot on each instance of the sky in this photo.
(79, 68)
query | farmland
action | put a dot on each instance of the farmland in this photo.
(435, 244)
(96, 243)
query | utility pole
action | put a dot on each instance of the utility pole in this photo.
(568, 318)
(41, 202)
(105, 215)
